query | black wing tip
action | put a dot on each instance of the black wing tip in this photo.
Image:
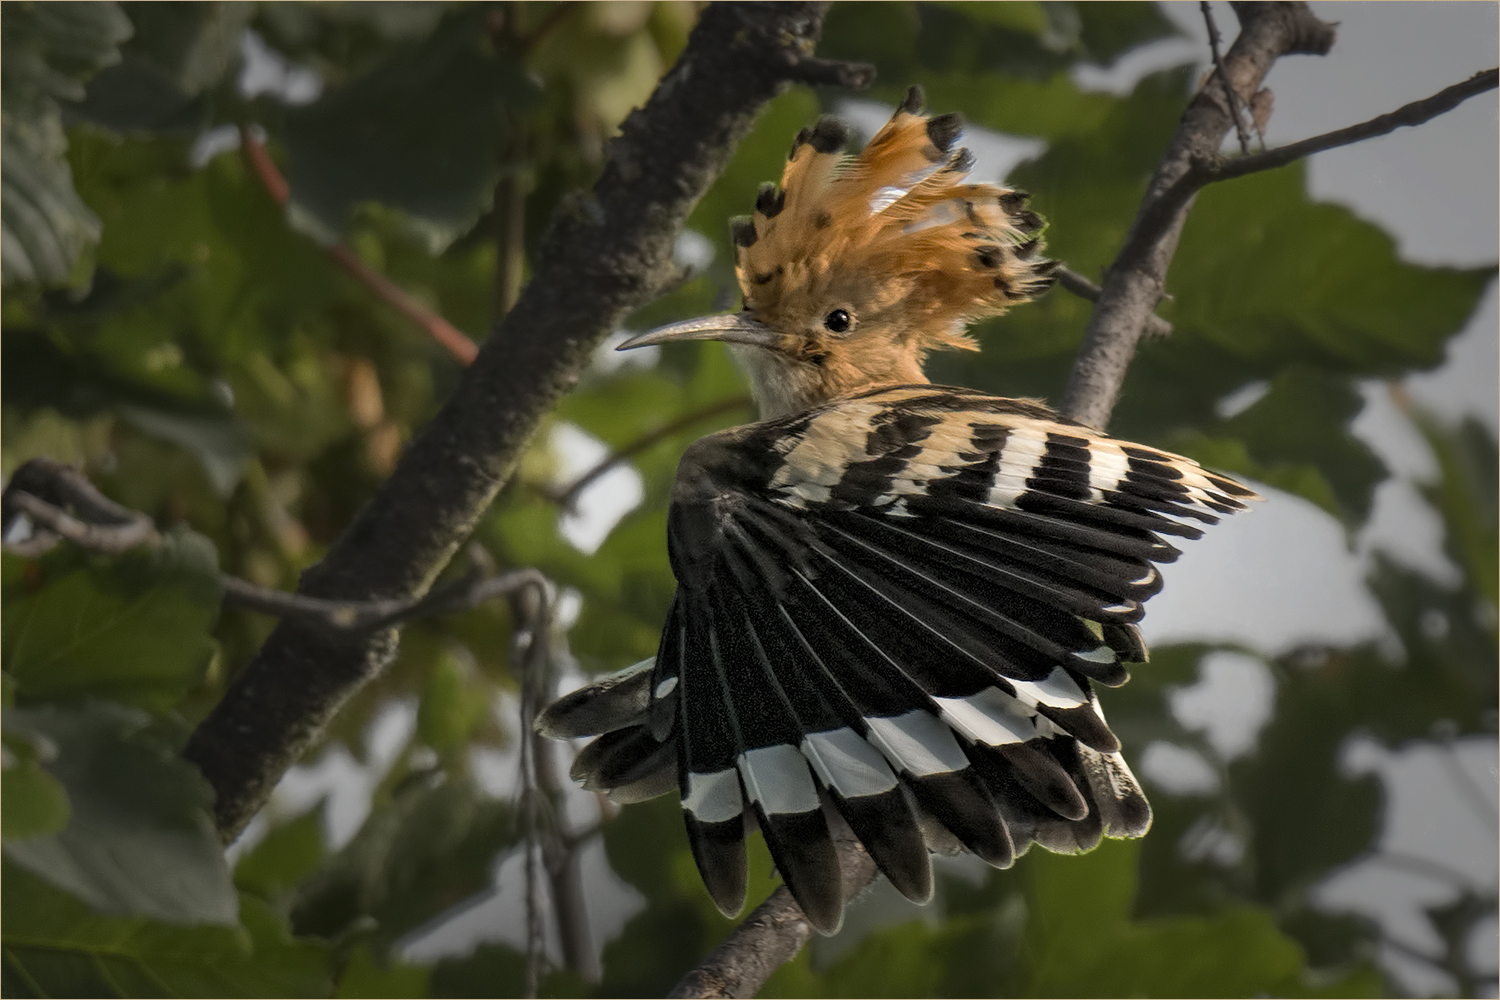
(719, 851)
(963, 804)
(889, 831)
(805, 856)
(610, 703)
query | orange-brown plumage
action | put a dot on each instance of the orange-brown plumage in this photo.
(861, 265)
(894, 233)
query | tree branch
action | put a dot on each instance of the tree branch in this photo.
(78, 512)
(1086, 289)
(61, 503)
(769, 938)
(1415, 113)
(1134, 283)
(569, 496)
(1223, 76)
(452, 339)
(603, 257)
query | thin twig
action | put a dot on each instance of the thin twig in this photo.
(79, 513)
(569, 496)
(1134, 282)
(1230, 94)
(530, 662)
(455, 341)
(61, 503)
(550, 20)
(55, 523)
(1414, 113)
(1475, 797)
(369, 616)
(1086, 289)
(560, 852)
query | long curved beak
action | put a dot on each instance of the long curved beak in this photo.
(737, 328)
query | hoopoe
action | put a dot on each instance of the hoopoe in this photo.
(894, 598)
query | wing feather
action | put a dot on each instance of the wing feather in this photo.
(890, 610)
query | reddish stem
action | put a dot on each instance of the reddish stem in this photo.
(450, 337)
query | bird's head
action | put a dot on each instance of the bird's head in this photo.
(854, 268)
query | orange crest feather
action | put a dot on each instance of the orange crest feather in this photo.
(945, 253)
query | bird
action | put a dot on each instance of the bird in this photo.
(895, 600)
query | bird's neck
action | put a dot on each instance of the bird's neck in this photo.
(782, 386)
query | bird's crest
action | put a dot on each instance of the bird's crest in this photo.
(895, 229)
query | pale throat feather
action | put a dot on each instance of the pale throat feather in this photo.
(781, 385)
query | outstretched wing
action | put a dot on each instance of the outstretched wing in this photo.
(891, 610)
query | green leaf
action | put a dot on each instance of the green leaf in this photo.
(35, 803)
(1109, 30)
(219, 444)
(1024, 17)
(139, 841)
(46, 50)
(55, 947)
(175, 55)
(452, 706)
(44, 226)
(1297, 437)
(1465, 494)
(953, 50)
(364, 976)
(431, 847)
(285, 857)
(1304, 281)
(1097, 949)
(913, 43)
(134, 628)
(50, 49)
(425, 132)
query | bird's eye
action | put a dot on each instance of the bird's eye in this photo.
(838, 321)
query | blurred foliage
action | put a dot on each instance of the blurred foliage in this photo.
(194, 350)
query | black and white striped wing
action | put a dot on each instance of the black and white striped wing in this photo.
(891, 610)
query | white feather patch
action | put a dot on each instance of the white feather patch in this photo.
(991, 717)
(917, 743)
(1058, 690)
(1107, 466)
(777, 777)
(1019, 457)
(848, 764)
(714, 798)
